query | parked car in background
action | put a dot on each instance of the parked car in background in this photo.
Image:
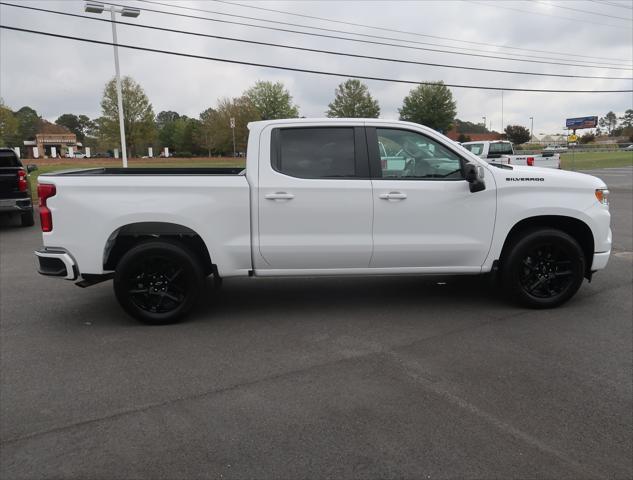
(501, 151)
(79, 155)
(324, 197)
(15, 192)
(629, 148)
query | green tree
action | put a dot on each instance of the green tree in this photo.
(430, 105)
(185, 138)
(627, 118)
(353, 100)
(243, 111)
(587, 138)
(80, 125)
(609, 121)
(517, 134)
(271, 100)
(138, 116)
(8, 126)
(166, 125)
(205, 133)
(28, 121)
(463, 126)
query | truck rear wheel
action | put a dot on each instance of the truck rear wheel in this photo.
(543, 269)
(158, 282)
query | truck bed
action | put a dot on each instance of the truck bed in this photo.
(151, 171)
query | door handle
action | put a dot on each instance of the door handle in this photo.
(279, 196)
(393, 196)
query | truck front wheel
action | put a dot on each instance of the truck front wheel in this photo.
(543, 269)
(158, 282)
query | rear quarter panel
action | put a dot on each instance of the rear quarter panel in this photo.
(87, 210)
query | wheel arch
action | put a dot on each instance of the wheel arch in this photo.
(127, 236)
(574, 227)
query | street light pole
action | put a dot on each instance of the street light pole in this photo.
(532, 128)
(97, 7)
(484, 118)
(119, 94)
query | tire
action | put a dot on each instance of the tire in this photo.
(543, 268)
(158, 282)
(26, 219)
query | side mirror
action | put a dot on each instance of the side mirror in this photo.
(474, 175)
(31, 167)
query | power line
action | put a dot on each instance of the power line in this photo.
(551, 4)
(215, 12)
(302, 70)
(496, 5)
(613, 4)
(314, 50)
(285, 12)
(409, 47)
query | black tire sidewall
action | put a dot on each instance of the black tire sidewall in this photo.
(175, 252)
(511, 267)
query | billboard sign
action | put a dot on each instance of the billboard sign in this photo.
(581, 122)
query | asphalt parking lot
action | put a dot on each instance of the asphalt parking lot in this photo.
(314, 378)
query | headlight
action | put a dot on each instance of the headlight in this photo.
(602, 194)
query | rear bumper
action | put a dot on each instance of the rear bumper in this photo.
(600, 260)
(56, 262)
(16, 205)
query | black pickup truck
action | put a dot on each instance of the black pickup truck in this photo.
(15, 193)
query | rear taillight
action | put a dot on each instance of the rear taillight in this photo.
(530, 161)
(22, 181)
(44, 192)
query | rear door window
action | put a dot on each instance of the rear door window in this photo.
(315, 152)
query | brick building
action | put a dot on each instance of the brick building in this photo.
(453, 134)
(50, 135)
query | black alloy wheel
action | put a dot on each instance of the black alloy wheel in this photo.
(157, 285)
(546, 271)
(158, 281)
(543, 269)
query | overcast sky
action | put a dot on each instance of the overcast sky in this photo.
(57, 76)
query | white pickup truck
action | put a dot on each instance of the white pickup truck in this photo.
(500, 151)
(324, 197)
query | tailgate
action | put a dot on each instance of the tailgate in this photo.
(8, 182)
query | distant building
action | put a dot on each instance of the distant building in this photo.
(50, 135)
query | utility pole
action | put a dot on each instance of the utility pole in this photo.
(98, 8)
(484, 121)
(532, 128)
(502, 127)
(119, 93)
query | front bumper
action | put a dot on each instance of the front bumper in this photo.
(600, 260)
(16, 205)
(56, 262)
